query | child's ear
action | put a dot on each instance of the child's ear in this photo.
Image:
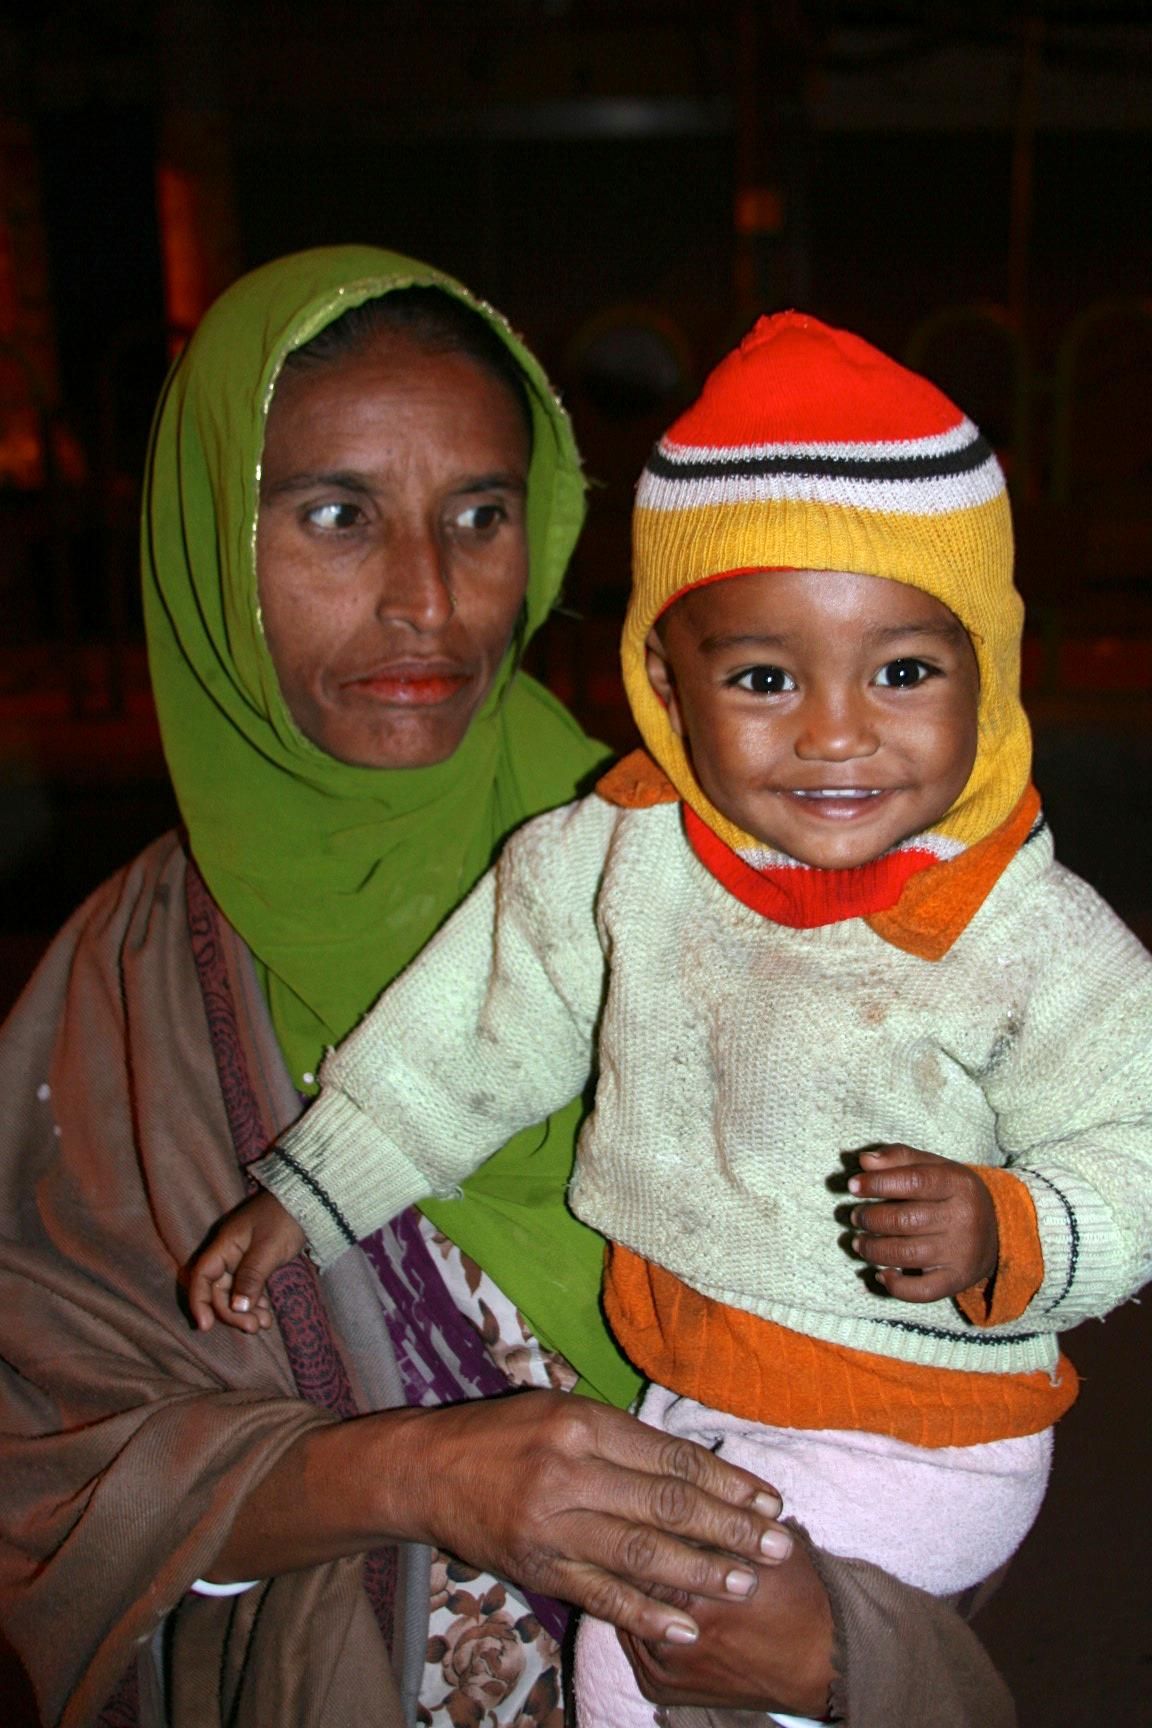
(661, 680)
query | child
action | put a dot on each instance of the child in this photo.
(817, 951)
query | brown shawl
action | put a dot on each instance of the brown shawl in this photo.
(126, 1437)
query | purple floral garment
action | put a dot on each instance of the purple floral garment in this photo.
(493, 1656)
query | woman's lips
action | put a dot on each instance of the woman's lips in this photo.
(413, 686)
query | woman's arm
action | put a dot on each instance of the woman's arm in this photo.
(566, 1496)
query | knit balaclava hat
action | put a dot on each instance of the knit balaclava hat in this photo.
(808, 449)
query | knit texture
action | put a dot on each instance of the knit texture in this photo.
(721, 1115)
(808, 449)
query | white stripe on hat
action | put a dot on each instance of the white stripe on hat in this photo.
(923, 497)
(957, 437)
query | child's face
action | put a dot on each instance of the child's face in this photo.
(828, 714)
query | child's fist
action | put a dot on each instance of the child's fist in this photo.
(929, 1226)
(226, 1279)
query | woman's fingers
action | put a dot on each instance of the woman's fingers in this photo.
(588, 1504)
(634, 1546)
(771, 1652)
(685, 1491)
(623, 1561)
(624, 1605)
(672, 1460)
(657, 1482)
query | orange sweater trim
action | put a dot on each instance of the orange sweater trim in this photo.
(1020, 1260)
(636, 782)
(938, 905)
(738, 1362)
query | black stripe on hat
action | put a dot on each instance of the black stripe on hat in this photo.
(937, 466)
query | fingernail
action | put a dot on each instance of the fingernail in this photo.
(856, 1244)
(776, 1544)
(853, 1184)
(682, 1632)
(770, 1505)
(240, 1304)
(739, 1582)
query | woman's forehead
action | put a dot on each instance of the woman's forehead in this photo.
(393, 400)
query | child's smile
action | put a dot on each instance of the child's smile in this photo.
(829, 715)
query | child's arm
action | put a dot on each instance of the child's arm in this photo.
(491, 1029)
(226, 1280)
(929, 1225)
(1070, 1178)
(1071, 1093)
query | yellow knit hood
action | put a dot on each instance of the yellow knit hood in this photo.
(809, 449)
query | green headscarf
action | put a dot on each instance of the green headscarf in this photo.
(337, 875)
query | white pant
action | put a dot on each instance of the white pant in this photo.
(941, 1517)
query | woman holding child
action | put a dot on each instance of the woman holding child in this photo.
(354, 521)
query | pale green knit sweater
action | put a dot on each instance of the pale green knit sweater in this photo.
(737, 1060)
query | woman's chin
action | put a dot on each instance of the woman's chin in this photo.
(398, 735)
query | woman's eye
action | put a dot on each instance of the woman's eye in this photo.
(480, 518)
(765, 680)
(903, 674)
(334, 516)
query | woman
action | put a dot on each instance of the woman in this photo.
(353, 524)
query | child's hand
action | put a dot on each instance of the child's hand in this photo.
(226, 1279)
(925, 1215)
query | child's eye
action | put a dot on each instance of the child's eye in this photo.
(764, 680)
(903, 674)
(335, 516)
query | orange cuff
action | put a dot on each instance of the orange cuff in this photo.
(1020, 1267)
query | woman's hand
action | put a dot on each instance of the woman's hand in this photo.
(577, 1500)
(929, 1225)
(772, 1651)
(227, 1278)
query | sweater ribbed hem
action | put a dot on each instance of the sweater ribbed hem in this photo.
(1018, 1351)
(917, 1337)
(375, 1179)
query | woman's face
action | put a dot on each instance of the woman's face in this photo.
(390, 547)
